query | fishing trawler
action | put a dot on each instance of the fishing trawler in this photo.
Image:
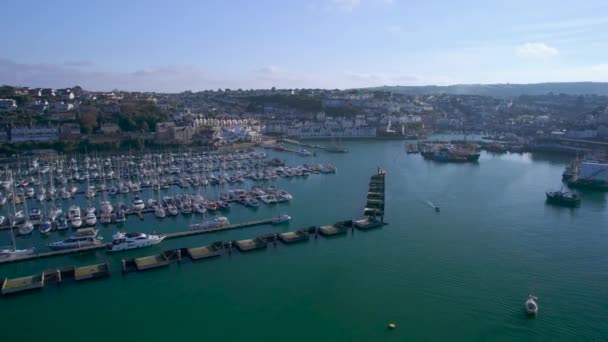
(562, 198)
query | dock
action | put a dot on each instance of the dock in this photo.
(168, 236)
(374, 206)
(296, 236)
(91, 272)
(248, 245)
(336, 228)
(23, 284)
(151, 262)
(204, 252)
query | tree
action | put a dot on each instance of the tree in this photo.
(88, 119)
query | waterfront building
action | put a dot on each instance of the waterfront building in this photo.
(39, 133)
(7, 105)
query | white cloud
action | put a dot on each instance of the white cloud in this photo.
(536, 50)
(393, 28)
(345, 5)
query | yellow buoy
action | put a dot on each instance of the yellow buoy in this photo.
(392, 326)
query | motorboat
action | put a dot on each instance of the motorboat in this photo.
(199, 208)
(73, 211)
(12, 253)
(105, 217)
(76, 221)
(138, 204)
(35, 216)
(282, 219)
(45, 227)
(172, 210)
(26, 228)
(124, 241)
(120, 215)
(269, 198)
(62, 222)
(54, 213)
(217, 222)
(531, 306)
(159, 212)
(82, 238)
(186, 208)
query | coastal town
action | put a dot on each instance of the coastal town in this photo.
(71, 119)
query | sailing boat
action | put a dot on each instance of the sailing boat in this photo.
(13, 252)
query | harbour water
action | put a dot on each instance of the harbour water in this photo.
(461, 274)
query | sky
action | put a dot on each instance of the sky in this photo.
(178, 45)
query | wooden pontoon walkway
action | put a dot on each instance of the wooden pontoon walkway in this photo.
(168, 236)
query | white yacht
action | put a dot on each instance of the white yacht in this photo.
(269, 198)
(159, 212)
(212, 223)
(35, 216)
(90, 219)
(73, 211)
(124, 241)
(105, 217)
(15, 253)
(138, 204)
(76, 221)
(82, 238)
(26, 228)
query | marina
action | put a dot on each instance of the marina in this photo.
(412, 269)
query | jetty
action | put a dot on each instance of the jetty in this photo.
(167, 236)
(57, 276)
(374, 207)
(180, 255)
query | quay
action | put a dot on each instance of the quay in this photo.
(58, 276)
(164, 259)
(299, 143)
(167, 236)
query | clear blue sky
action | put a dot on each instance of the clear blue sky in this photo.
(179, 45)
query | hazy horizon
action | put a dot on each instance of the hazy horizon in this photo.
(162, 47)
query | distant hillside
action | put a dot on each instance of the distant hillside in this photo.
(505, 90)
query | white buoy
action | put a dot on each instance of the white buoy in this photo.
(531, 306)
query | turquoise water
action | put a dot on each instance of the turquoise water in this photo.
(460, 275)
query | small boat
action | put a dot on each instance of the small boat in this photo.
(120, 215)
(562, 198)
(282, 219)
(199, 208)
(124, 241)
(35, 216)
(186, 209)
(172, 210)
(159, 212)
(73, 211)
(82, 238)
(62, 223)
(105, 217)
(531, 306)
(45, 227)
(138, 204)
(12, 253)
(90, 219)
(26, 228)
(76, 221)
(212, 223)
